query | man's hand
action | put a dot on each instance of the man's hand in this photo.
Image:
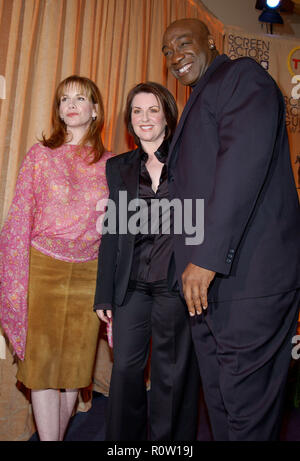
(195, 281)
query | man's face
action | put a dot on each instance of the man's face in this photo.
(186, 51)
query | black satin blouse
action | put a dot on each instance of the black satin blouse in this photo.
(152, 250)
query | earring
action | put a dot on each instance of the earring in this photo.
(94, 118)
(211, 45)
(62, 119)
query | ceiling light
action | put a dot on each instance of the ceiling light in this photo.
(270, 14)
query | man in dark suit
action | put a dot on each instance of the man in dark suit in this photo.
(242, 283)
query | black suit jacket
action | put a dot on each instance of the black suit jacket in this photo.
(116, 249)
(231, 149)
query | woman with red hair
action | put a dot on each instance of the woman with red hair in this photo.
(48, 257)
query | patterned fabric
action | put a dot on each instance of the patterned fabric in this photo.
(53, 210)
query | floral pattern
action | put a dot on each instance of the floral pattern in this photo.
(53, 210)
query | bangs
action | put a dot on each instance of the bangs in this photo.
(80, 87)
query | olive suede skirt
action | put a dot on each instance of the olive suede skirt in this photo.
(62, 327)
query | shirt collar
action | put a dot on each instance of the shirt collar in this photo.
(161, 153)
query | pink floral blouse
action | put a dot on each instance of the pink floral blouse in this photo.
(53, 210)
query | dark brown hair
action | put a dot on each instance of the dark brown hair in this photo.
(166, 99)
(58, 135)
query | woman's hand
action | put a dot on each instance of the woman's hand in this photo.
(104, 315)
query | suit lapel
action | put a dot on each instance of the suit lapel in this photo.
(218, 61)
(130, 171)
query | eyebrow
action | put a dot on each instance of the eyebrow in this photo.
(77, 94)
(138, 107)
(187, 35)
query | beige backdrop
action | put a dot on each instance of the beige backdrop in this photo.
(117, 43)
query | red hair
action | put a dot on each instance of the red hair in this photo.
(59, 133)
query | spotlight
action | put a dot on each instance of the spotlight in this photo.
(273, 3)
(261, 4)
(270, 14)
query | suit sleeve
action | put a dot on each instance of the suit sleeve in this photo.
(247, 114)
(107, 253)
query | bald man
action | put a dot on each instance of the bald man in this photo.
(241, 284)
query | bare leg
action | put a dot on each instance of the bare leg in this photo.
(45, 404)
(67, 403)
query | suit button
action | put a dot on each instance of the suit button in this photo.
(229, 256)
(231, 250)
(228, 261)
(171, 179)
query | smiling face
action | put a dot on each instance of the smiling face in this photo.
(76, 109)
(186, 48)
(148, 119)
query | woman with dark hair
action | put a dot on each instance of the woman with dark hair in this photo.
(132, 284)
(48, 250)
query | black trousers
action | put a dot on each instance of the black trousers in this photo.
(151, 311)
(244, 352)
